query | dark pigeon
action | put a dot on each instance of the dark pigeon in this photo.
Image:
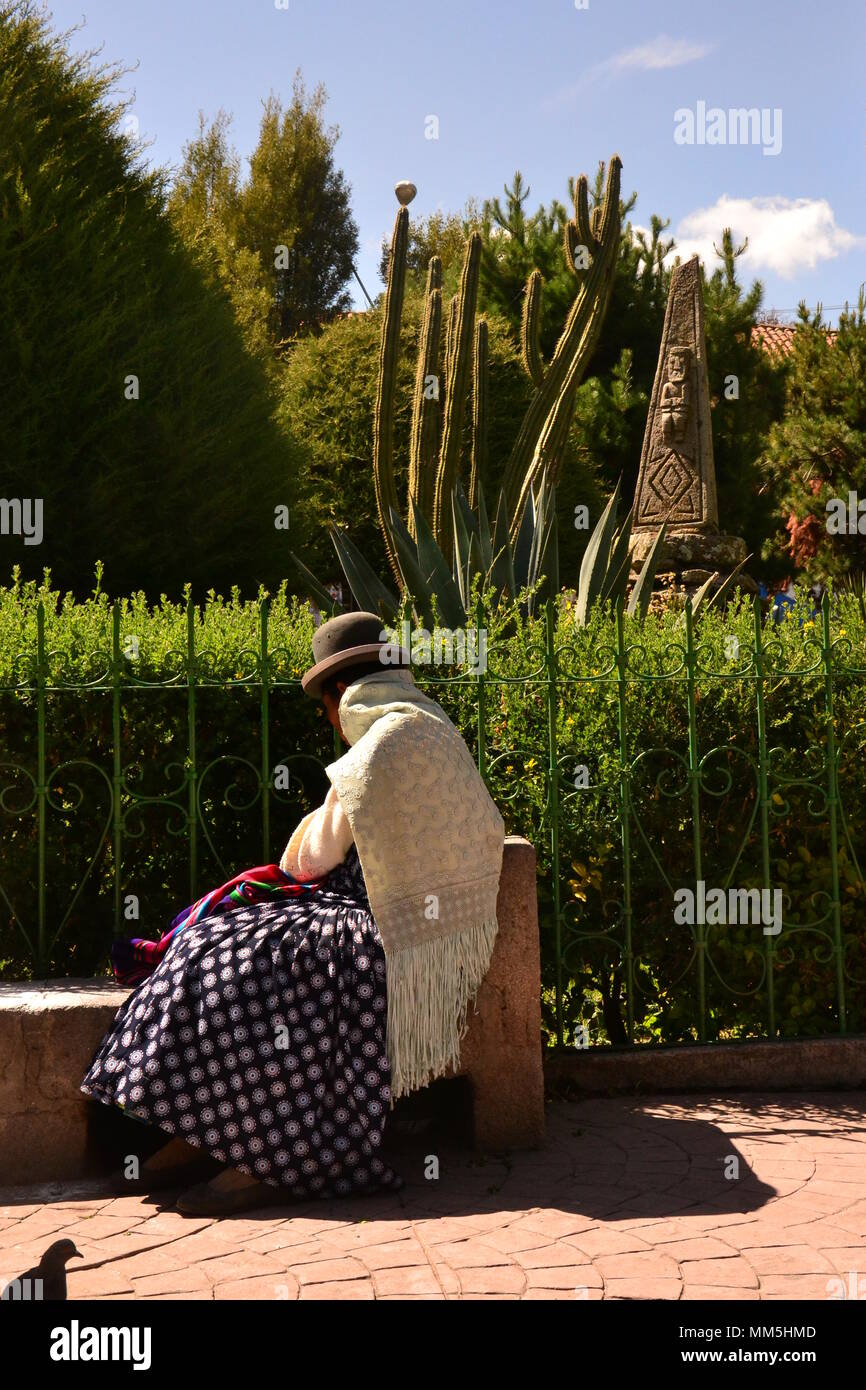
(51, 1270)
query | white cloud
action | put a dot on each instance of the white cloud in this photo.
(663, 52)
(659, 53)
(786, 235)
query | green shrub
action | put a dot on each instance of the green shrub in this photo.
(585, 714)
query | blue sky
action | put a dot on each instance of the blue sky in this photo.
(549, 88)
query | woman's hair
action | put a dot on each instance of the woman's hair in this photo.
(349, 675)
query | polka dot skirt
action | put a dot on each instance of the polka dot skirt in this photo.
(260, 1038)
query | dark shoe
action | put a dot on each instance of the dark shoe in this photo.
(165, 1179)
(205, 1200)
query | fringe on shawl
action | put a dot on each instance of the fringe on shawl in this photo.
(431, 985)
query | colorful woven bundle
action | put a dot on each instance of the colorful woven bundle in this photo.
(133, 960)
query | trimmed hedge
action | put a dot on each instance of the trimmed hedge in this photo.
(585, 715)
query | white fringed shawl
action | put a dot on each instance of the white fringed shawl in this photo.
(430, 843)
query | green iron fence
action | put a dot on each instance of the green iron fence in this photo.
(672, 815)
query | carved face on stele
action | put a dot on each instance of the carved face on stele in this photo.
(678, 365)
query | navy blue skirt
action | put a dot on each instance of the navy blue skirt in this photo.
(260, 1038)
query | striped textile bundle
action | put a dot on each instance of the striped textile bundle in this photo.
(134, 959)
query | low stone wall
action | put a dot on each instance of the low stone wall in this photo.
(49, 1031)
(795, 1064)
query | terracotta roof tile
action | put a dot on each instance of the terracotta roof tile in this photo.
(777, 338)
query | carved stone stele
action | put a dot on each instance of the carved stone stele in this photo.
(677, 479)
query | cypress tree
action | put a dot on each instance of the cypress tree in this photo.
(130, 404)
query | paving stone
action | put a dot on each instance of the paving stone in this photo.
(548, 1256)
(369, 1233)
(190, 1296)
(505, 1279)
(279, 1289)
(97, 1283)
(638, 1264)
(789, 1259)
(667, 1289)
(46, 1225)
(602, 1241)
(563, 1294)
(564, 1277)
(823, 1235)
(101, 1227)
(470, 1254)
(698, 1248)
(329, 1271)
(438, 1232)
(297, 1247)
(552, 1223)
(157, 1260)
(338, 1291)
(415, 1279)
(243, 1264)
(714, 1292)
(182, 1281)
(730, 1271)
(392, 1254)
(799, 1286)
(509, 1240)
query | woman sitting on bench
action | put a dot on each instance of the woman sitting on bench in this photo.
(280, 1016)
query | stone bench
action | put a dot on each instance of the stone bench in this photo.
(49, 1030)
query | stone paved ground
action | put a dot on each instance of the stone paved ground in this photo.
(629, 1199)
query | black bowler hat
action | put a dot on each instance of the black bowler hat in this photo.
(346, 641)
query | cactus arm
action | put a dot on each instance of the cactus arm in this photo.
(530, 327)
(424, 434)
(581, 223)
(480, 390)
(550, 445)
(463, 320)
(554, 437)
(571, 241)
(544, 418)
(434, 274)
(389, 357)
(449, 337)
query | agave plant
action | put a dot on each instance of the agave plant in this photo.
(436, 586)
(527, 566)
(606, 566)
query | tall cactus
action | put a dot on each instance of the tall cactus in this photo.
(480, 389)
(438, 425)
(424, 435)
(389, 358)
(456, 389)
(530, 329)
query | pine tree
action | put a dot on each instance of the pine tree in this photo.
(284, 239)
(295, 213)
(515, 244)
(204, 206)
